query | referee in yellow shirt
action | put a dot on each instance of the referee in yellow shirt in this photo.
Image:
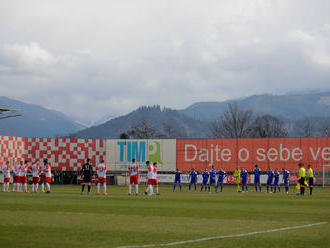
(310, 178)
(302, 178)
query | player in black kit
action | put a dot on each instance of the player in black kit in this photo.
(86, 173)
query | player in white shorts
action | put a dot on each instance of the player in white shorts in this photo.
(6, 176)
(43, 175)
(48, 173)
(23, 177)
(133, 170)
(152, 179)
(35, 176)
(101, 171)
(16, 177)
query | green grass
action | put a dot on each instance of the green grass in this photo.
(67, 219)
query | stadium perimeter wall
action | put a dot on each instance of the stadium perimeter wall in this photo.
(201, 154)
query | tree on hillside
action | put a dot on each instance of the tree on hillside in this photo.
(123, 136)
(306, 127)
(170, 131)
(235, 123)
(267, 126)
(216, 129)
(143, 130)
(324, 128)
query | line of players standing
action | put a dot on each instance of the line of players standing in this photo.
(20, 171)
(217, 178)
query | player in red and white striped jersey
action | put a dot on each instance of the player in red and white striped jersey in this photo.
(6, 176)
(23, 177)
(43, 174)
(35, 176)
(16, 177)
(48, 174)
(133, 170)
(152, 178)
(101, 171)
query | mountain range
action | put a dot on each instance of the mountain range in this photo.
(291, 107)
(194, 121)
(35, 121)
(191, 122)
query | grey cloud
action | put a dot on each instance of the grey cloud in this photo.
(93, 59)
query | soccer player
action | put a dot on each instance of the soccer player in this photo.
(156, 176)
(213, 175)
(48, 173)
(23, 176)
(101, 171)
(244, 175)
(257, 174)
(270, 174)
(221, 177)
(35, 176)
(6, 176)
(16, 177)
(205, 179)
(310, 177)
(302, 178)
(86, 173)
(286, 175)
(43, 175)
(133, 170)
(193, 178)
(177, 179)
(152, 179)
(277, 181)
(237, 175)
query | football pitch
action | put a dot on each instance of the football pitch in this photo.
(65, 218)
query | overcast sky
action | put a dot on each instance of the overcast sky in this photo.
(91, 58)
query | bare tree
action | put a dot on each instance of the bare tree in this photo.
(306, 127)
(268, 126)
(216, 129)
(143, 130)
(235, 123)
(324, 128)
(169, 131)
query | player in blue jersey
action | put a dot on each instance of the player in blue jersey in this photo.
(286, 182)
(244, 176)
(270, 174)
(221, 177)
(213, 176)
(193, 178)
(257, 174)
(177, 179)
(277, 181)
(205, 176)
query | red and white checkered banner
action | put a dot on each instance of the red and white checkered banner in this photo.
(63, 154)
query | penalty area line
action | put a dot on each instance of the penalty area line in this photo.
(225, 236)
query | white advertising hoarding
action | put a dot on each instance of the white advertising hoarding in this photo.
(119, 153)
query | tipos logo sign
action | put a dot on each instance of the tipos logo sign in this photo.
(140, 150)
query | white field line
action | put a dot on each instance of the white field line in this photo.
(225, 236)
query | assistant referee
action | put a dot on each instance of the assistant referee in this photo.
(310, 177)
(302, 178)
